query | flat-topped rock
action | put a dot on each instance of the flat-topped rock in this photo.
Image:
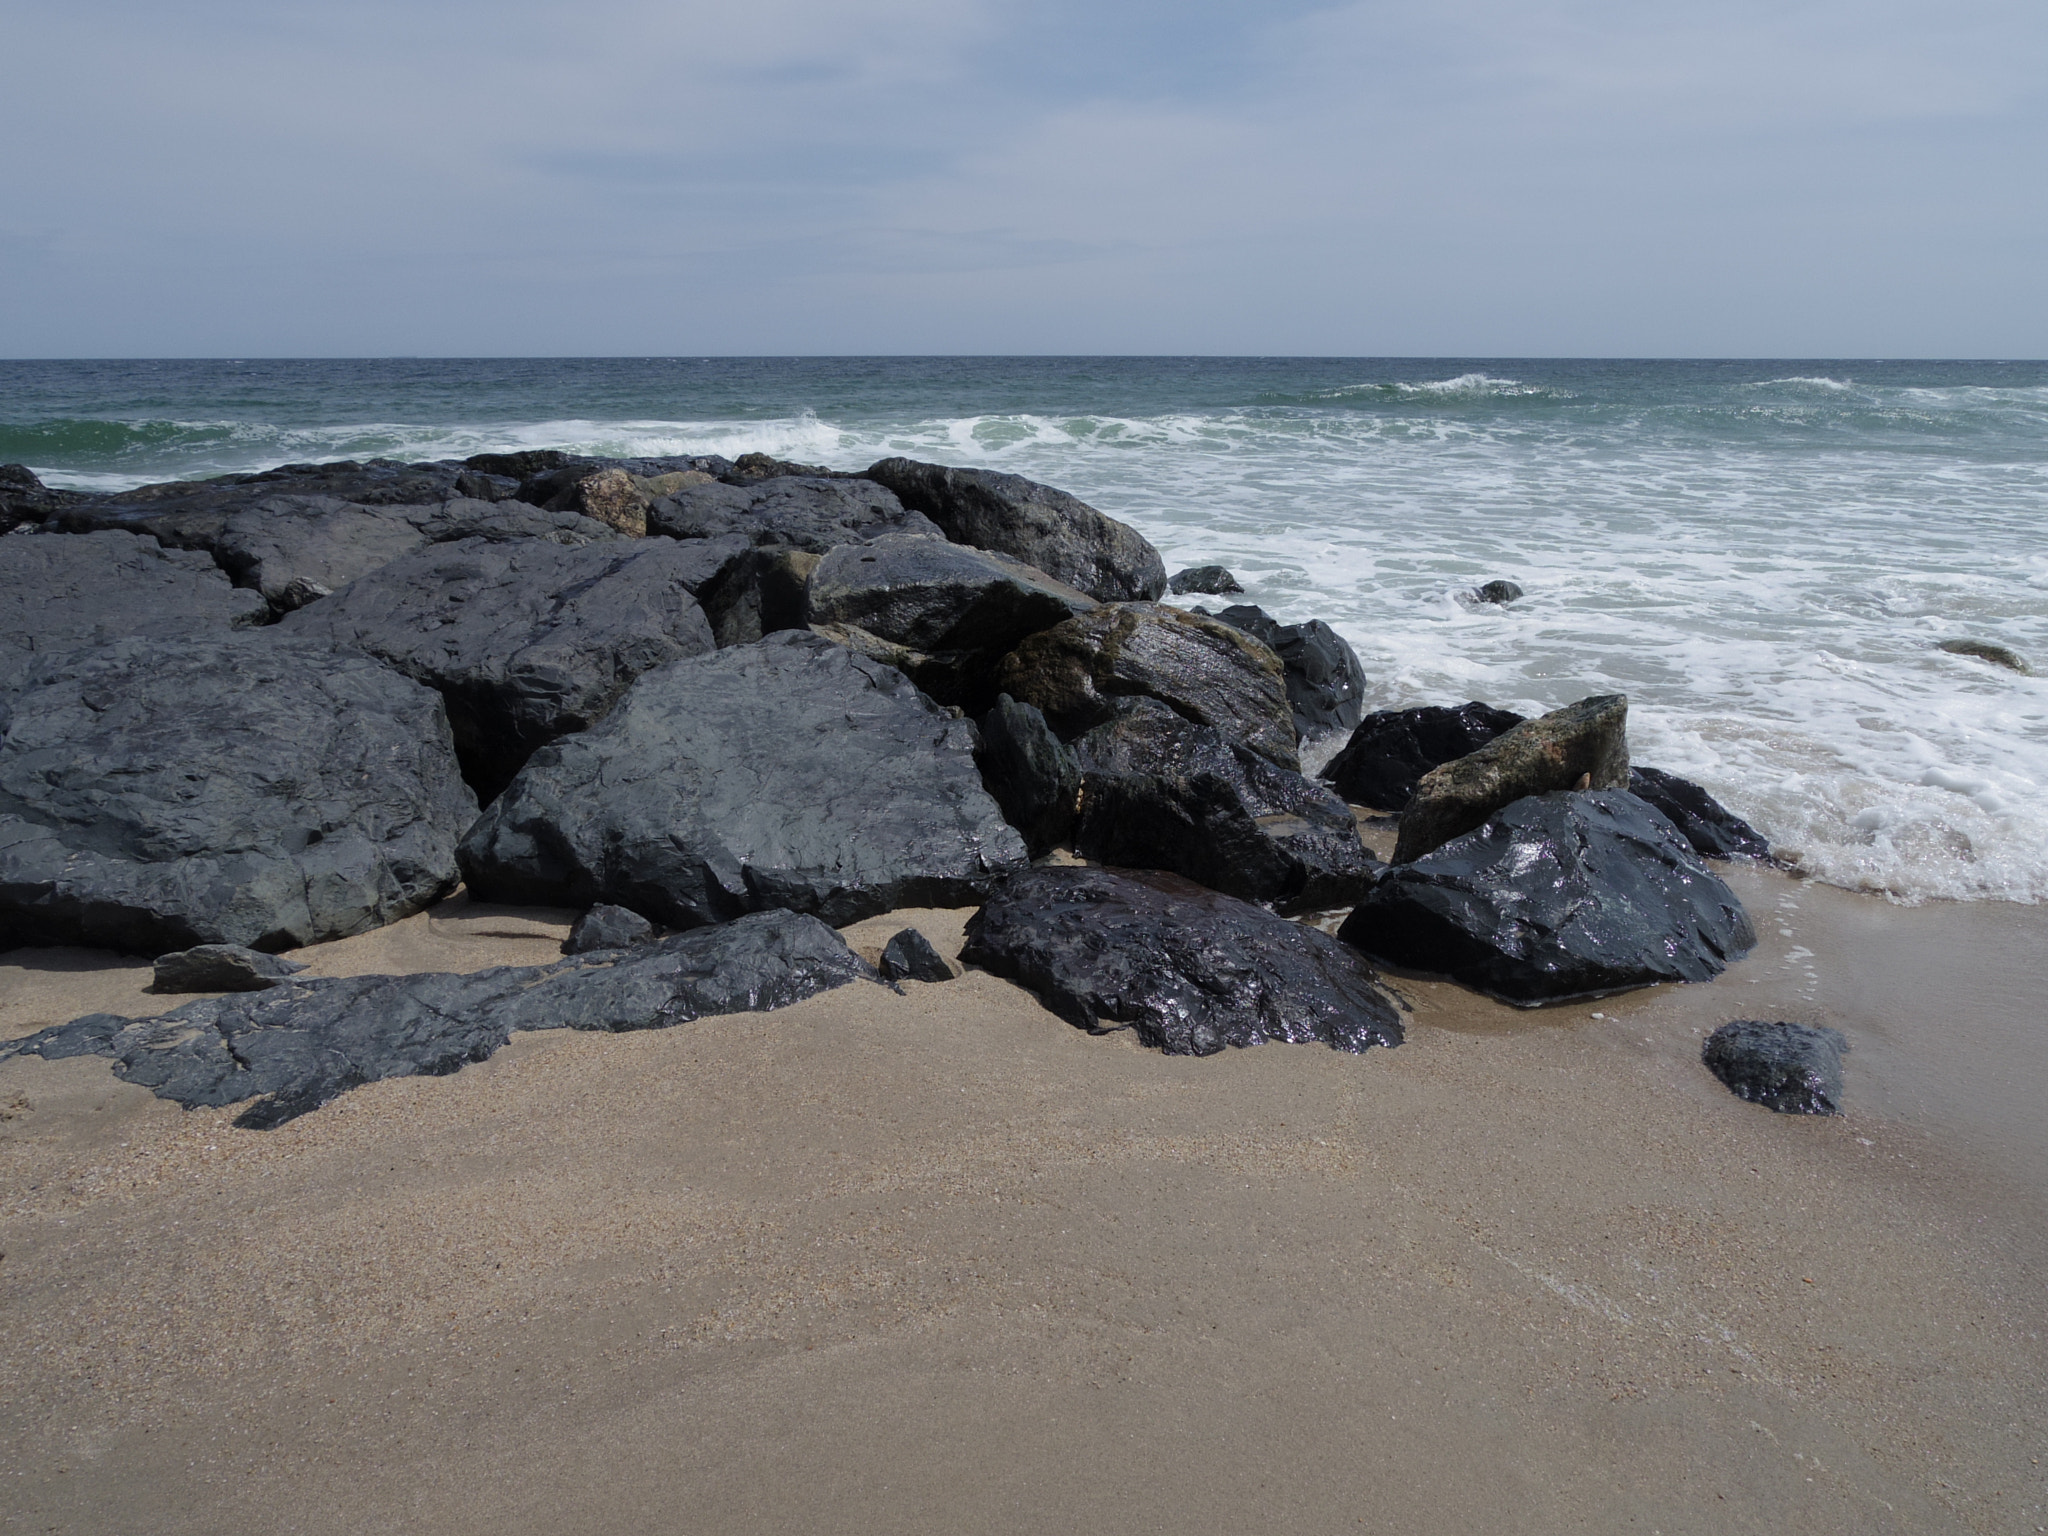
(255, 790)
(1189, 970)
(297, 1045)
(60, 593)
(788, 512)
(1047, 529)
(788, 773)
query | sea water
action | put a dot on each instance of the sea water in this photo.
(1763, 556)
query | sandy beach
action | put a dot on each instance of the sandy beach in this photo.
(940, 1262)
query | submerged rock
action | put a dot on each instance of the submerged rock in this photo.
(1325, 682)
(788, 773)
(1033, 775)
(1582, 746)
(221, 968)
(57, 594)
(1794, 1069)
(1203, 669)
(607, 927)
(910, 957)
(1985, 650)
(299, 1044)
(1711, 828)
(1189, 970)
(1047, 529)
(1212, 580)
(1390, 751)
(156, 795)
(788, 512)
(1558, 895)
(1502, 592)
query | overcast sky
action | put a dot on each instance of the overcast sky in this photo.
(1393, 177)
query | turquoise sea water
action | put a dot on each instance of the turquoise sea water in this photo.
(1763, 555)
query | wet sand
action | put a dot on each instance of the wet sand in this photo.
(942, 1263)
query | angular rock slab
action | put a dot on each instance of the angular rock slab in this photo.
(934, 596)
(304, 1042)
(1190, 970)
(788, 512)
(1160, 792)
(1559, 895)
(1058, 534)
(1325, 680)
(1391, 750)
(57, 593)
(249, 790)
(1714, 831)
(1583, 745)
(526, 640)
(788, 773)
(221, 968)
(1791, 1069)
(1203, 669)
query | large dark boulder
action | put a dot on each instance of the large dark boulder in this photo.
(526, 640)
(789, 512)
(1034, 776)
(1557, 895)
(1392, 749)
(788, 773)
(1203, 669)
(1325, 682)
(1058, 534)
(295, 1046)
(58, 594)
(156, 795)
(1582, 746)
(1190, 970)
(1711, 828)
(1792, 1069)
(1160, 792)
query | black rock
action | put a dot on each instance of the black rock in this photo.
(1213, 580)
(607, 927)
(1203, 669)
(751, 468)
(1160, 792)
(527, 641)
(1795, 1069)
(25, 499)
(1496, 592)
(788, 773)
(221, 968)
(1391, 750)
(1033, 775)
(934, 596)
(1558, 895)
(758, 592)
(1711, 828)
(789, 512)
(58, 594)
(1325, 683)
(1192, 971)
(910, 957)
(156, 795)
(1047, 529)
(297, 1045)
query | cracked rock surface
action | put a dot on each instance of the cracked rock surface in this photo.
(57, 593)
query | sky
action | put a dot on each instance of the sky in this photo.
(1497, 178)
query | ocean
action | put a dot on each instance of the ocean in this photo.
(1763, 555)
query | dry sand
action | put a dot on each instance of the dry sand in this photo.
(941, 1263)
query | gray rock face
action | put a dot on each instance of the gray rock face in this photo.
(789, 773)
(1213, 580)
(302, 1043)
(221, 968)
(1392, 749)
(759, 592)
(1203, 669)
(934, 596)
(527, 641)
(1582, 746)
(1559, 895)
(1793, 1069)
(1191, 971)
(607, 927)
(1033, 775)
(789, 512)
(1325, 682)
(1160, 792)
(909, 956)
(1058, 534)
(191, 514)
(1713, 830)
(156, 795)
(57, 594)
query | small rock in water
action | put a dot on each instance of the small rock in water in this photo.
(221, 968)
(607, 927)
(1794, 1069)
(1214, 580)
(1985, 650)
(910, 957)
(1502, 592)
